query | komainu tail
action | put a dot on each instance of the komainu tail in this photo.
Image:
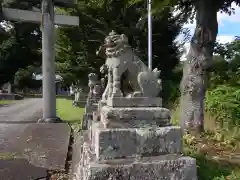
(156, 73)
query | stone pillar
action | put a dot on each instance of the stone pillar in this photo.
(9, 89)
(48, 62)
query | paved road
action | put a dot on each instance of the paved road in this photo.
(24, 111)
(34, 148)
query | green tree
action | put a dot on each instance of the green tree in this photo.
(225, 67)
(24, 78)
(198, 60)
(19, 44)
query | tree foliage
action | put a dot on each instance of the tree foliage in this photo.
(20, 43)
(24, 78)
(225, 68)
(223, 104)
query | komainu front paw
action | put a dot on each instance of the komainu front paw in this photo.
(117, 93)
(137, 94)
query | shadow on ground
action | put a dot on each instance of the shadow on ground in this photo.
(28, 151)
(210, 169)
(21, 168)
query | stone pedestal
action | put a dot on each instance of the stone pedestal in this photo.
(133, 142)
(90, 109)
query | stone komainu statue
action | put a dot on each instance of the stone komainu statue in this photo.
(94, 88)
(126, 69)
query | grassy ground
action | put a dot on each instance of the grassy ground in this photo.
(5, 102)
(217, 151)
(7, 156)
(69, 113)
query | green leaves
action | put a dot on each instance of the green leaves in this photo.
(223, 103)
(19, 44)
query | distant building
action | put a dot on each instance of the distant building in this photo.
(58, 78)
(7, 88)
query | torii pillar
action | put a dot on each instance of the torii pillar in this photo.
(48, 20)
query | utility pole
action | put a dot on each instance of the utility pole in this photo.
(149, 35)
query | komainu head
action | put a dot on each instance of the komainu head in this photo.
(113, 45)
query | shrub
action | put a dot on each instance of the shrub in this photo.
(223, 102)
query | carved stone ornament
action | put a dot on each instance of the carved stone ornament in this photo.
(128, 76)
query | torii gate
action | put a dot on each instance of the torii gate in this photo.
(48, 20)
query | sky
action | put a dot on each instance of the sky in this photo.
(228, 27)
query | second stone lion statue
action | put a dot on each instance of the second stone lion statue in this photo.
(122, 61)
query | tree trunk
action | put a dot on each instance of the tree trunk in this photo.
(194, 74)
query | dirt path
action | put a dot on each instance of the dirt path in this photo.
(21, 112)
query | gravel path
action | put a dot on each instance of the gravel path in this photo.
(24, 111)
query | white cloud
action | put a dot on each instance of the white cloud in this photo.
(225, 39)
(222, 17)
(186, 49)
(221, 39)
(233, 18)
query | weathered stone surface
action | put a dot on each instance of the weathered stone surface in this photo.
(27, 149)
(79, 139)
(85, 122)
(156, 141)
(163, 167)
(135, 102)
(96, 116)
(43, 145)
(20, 169)
(101, 103)
(115, 143)
(90, 108)
(120, 58)
(92, 132)
(95, 89)
(167, 167)
(119, 143)
(134, 117)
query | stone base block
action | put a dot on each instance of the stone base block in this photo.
(96, 116)
(121, 143)
(135, 102)
(168, 167)
(90, 108)
(85, 123)
(101, 103)
(50, 120)
(134, 117)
